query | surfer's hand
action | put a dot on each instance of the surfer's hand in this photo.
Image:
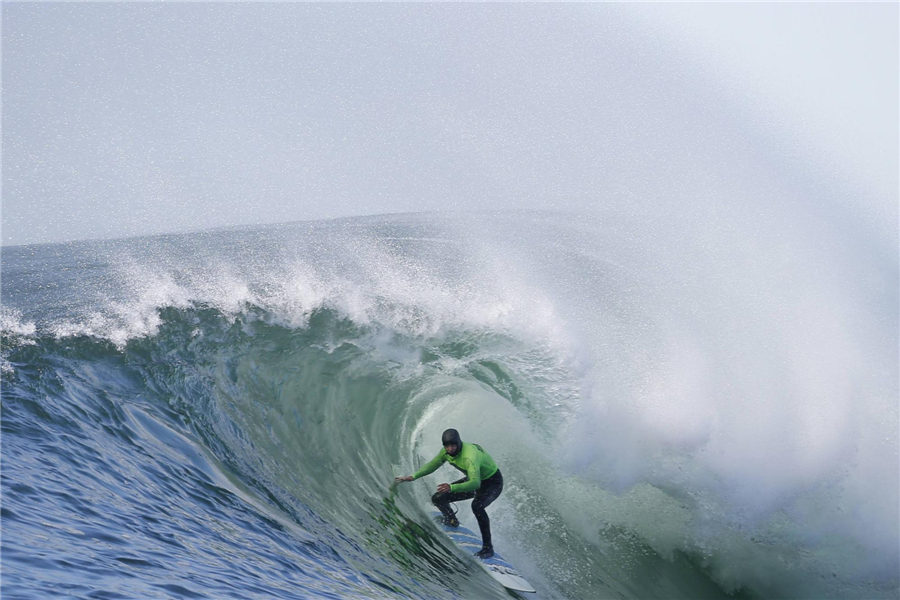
(402, 479)
(443, 488)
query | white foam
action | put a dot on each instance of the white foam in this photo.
(12, 323)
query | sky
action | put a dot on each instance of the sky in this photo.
(122, 119)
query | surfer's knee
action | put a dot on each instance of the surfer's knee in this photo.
(436, 498)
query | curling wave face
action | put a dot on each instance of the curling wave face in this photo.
(678, 410)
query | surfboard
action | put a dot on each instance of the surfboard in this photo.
(498, 567)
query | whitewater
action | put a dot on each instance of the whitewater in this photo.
(694, 399)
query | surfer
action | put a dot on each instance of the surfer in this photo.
(482, 483)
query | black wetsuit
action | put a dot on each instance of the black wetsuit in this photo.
(483, 496)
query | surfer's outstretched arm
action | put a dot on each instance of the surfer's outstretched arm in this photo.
(428, 468)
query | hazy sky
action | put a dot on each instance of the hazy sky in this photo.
(131, 118)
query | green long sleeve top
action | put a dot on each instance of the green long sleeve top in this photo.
(471, 460)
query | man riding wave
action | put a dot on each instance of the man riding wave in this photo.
(483, 483)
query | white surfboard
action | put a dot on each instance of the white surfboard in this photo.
(497, 566)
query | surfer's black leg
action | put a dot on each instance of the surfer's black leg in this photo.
(442, 500)
(487, 493)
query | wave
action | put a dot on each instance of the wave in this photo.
(695, 424)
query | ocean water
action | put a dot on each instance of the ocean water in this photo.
(682, 407)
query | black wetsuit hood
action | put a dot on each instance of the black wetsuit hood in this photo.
(451, 436)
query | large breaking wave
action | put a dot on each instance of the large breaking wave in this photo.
(681, 408)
